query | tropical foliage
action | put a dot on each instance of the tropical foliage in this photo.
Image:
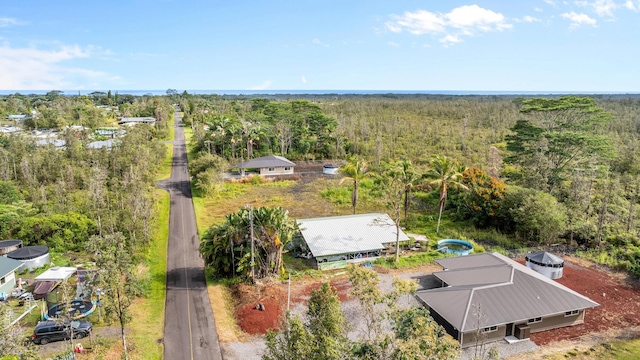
(259, 234)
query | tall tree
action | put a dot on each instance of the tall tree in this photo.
(322, 336)
(354, 171)
(445, 173)
(392, 186)
(115, 278)
(557, 136)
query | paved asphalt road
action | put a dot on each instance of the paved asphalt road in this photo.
(189, 327)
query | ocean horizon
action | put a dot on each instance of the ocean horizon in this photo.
(322, 92)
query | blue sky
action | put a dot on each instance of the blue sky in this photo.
(538, 45)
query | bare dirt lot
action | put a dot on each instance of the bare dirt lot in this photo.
(618, 297)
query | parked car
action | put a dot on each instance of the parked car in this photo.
(48, 331)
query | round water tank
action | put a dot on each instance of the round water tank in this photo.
(545, 263)
(7, 246)
(330, 169)
(31, 256)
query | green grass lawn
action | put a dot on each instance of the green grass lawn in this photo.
(165, 170)
(147, 328)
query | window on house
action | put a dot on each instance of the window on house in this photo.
(287, 168)
(535, 320)
(2, 281)
(272, 169)
(490, 329)
(572, 313)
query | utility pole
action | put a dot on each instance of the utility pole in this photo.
(253, 267)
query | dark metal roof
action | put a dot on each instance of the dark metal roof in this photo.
(28, 252)
(264, 162)
(484, 276)
(469, 261)
(525, 295)
(9, 243)
(544, 258)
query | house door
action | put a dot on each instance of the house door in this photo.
(509, 331)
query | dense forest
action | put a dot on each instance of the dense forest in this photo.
(533, 170)
(61, 196)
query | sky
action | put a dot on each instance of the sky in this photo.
(530, 45)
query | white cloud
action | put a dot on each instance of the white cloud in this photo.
(603, 8)
(450, 40)
(467, 20)
(265, 85)
(633, 5)
(578, 20)
(303, 79)
(7, 22)
(31, 68)
(394, 44)
(528, 19)
(418, 22)
(318, 42)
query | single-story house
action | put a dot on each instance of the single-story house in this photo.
(103, 144)
(350, 238)
(17, 117)
(130, 121)
(8, 269)
(268, 165)
(486, 297)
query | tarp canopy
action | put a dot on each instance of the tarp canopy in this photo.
(28, 252)
(43, 288)
(57, 273)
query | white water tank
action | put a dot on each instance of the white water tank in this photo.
(545, 263)
(330, 169)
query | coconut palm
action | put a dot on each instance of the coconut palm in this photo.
(445, 173)
(409, 178)
(354, 171)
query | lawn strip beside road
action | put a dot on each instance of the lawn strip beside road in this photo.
(147, 326)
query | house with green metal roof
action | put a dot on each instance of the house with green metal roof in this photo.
(8, 268)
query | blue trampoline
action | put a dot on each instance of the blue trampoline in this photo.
(455, 246)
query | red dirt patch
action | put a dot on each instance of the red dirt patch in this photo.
(274, 298)
(254, 321)
(619, 303)
(341, 285)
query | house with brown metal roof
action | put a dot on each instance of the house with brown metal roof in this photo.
(487, 297)
(268, 165)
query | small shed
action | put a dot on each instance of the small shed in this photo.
(7, 246)
(31, 256)
(545, 263)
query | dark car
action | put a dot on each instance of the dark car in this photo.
(48, 331)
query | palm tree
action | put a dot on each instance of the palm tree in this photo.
(409, 178)
(354, 171)
(446, 173)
